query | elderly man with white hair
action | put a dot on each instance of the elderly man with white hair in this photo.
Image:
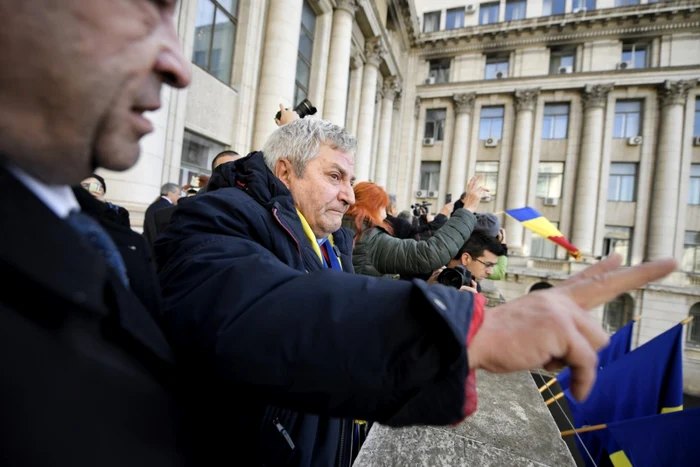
(285, 349)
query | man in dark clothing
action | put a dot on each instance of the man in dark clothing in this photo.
(169, 195)
(87, 373)
(460, 202)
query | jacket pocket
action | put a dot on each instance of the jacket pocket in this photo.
(276, 448)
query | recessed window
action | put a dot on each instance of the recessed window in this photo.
(488, 13)
(454, 18)
(618, 313)
(197, 154)
(431, 21)
(635, 55)
(306, 47)
(435, 124)
(555, 121)
(626, 2)
(429, 176)
(623, 177)
(215, 37)
(491, 123)
(696, 127)
(691, 251)
(496, 68)
(617, 240)
(578, 5)
(694, 185)
(692, 338)
(516, 9)
(553, 7)
(550, 177)
(627, 118)
(489, 172)
(562, 61)
(440, 70)
(543, 248)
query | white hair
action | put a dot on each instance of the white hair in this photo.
(300, 141)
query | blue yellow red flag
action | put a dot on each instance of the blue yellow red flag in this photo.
(539, 224)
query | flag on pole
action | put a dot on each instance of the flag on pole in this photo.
(539, 224)
(619, 345)
(646, 381)
(669, 439)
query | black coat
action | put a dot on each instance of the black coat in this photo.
(260, 323)
(404, 230)
(86, 371)
(150, 231)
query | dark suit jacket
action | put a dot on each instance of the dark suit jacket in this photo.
(149, 227)
(86, 372)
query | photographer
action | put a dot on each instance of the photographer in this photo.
(423, 226)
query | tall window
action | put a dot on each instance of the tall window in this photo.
(435, 124)
(556, 121)
(621, 186)
(617, 313)
(626, 2)
(617, 240)
(197, 154)
(553, 7)
(692, 338)
(215, 37)
(691, 251)
(488, 13)
(429, 176)
(562, 61)
(550, 177)
(515, 9)
(440, 70)
(431, 21)
(488, 170)
(496, 67)
(635, 54)
(491, 123)
(306, 47)
(696, 128)
(694, 186)
(454, 18)
(583, 5)
(627, 118)
(543, 248)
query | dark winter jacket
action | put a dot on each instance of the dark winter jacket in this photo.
(404, 229)
(259, 324)
(377, 252)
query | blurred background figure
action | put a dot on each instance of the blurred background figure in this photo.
(169, 195)
(96, 186)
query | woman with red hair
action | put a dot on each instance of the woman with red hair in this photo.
(377, 252)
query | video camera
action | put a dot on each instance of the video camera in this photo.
(455, 277)
(304, 108)
(420, 209)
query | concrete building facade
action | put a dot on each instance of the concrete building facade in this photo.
(586, 110)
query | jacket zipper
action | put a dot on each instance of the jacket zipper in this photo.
(342, 443)
(274, 213)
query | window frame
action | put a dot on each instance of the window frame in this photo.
(496, 60)
(692, 334)
(233, 17)
(696, 123)
(548, 248)
(300, 56)
(490, 120)
(549, 176)
(551, 4)
(515, 3)
(611, 242)
(554, 119)
(558, 54)
(438, 65)
(694, 179)
(623, 3)
(438, 13)
(433, 175)
(489, 6)
(617, 197)
(639, 113)
(632, 47)
(626, 312)
(588, 5)
(490, 177)
(439, 124)
(452, 11)
(695, 247)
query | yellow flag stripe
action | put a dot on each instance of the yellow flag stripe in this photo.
(619, 459)
(671, 409)
(541, 226)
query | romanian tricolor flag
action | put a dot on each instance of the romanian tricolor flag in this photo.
(539, 224)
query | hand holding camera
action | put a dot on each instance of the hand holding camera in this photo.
(285, 116)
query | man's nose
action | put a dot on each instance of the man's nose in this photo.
(171, 65)
(347, 194)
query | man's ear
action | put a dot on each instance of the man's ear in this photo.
(466, 259)
(284, 171)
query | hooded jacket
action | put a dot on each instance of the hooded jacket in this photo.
(259, 324)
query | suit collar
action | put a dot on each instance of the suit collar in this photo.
(58, 198)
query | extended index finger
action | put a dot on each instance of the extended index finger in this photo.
(607, 264)
(594, 291)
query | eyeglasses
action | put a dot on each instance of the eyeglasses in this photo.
(488, 265)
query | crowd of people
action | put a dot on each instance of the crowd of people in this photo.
(271, 334)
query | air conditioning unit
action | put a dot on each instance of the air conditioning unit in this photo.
(420, 194)
(490, 142)
(486, 199)
(634, 141)
(625, 65)
(563, 70)
(551, 201)
(428, 141)
(499, 75)
(430, 80)
(432, 194)
(696, 141)
(579, 10)
(470, 9)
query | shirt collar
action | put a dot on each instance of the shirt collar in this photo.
(58, 198)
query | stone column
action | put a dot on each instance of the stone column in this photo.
(356, 69)
(391, 87)
(419, 121)
(338, 62)
(664, 202)
(279, 61)
(374, 49)
(587, 180)
(395, 150)
(519, 176)
(464, 106)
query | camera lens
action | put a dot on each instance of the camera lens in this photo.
(451, 278)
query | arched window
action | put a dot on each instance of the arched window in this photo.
(540, 286)
(692, 338)
(618, 312)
